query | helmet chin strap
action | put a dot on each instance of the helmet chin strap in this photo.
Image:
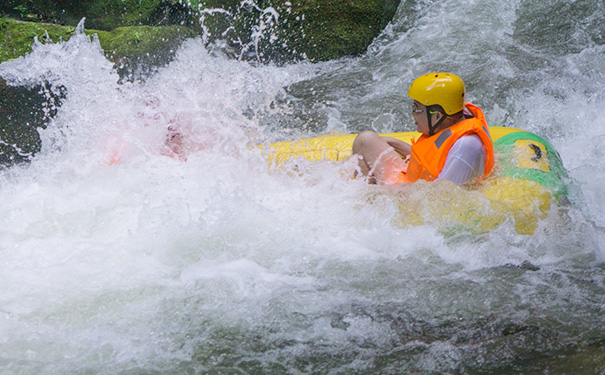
(430, 122)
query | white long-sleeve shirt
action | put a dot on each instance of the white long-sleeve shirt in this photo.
(465, 160)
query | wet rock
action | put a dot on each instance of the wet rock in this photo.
(337, 321)
(102, 14)
(22, 112)
(151, 45)
(261, 30)
(17, 37)
(526, 265)
(141, 48)
(295, 29)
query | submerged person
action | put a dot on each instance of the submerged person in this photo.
(455, 144)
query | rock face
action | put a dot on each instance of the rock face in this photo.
(21, 113)
(102, 14)
(263, 30)
(316, 30)
(133, 43)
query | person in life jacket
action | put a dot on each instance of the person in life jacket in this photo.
(455, 143)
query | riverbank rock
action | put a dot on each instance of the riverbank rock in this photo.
(281, 31)
(22, 111)
(101, 14)
(133, 43)
(263, 30)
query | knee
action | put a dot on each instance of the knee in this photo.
(363, 139)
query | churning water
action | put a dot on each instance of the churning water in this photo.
(117, 257)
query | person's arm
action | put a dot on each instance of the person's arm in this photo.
(401, 147)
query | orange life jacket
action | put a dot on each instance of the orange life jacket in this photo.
(429, 153)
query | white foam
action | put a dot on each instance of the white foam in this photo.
(116, 252)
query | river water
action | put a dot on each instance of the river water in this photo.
(120, 258)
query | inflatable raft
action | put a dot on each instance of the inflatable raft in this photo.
(527, 182)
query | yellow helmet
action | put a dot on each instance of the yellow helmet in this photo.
(444, 89)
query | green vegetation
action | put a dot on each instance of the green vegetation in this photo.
(124, 42)
(101, 14)
(17, 37)
(264, 30)
(139, 41)
(317, 30)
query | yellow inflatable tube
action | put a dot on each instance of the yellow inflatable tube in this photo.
(528, 178)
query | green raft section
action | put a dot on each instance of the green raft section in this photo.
(527, 179)
(527, 156)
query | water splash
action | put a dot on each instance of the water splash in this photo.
(220, 263)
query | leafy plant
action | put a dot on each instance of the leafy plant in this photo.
(3, 22)
(22, 9)
(137, 36)
(26, 13)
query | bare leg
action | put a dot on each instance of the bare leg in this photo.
(377, 158)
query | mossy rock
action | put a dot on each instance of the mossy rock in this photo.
(317, 30)
(340, 27)
(101, 14)
(133, 42)
(286, 30)
(17, 37)
(110, 14)
(22, 112)
(142, 45)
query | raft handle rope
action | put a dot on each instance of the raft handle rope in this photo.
(537, 150)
